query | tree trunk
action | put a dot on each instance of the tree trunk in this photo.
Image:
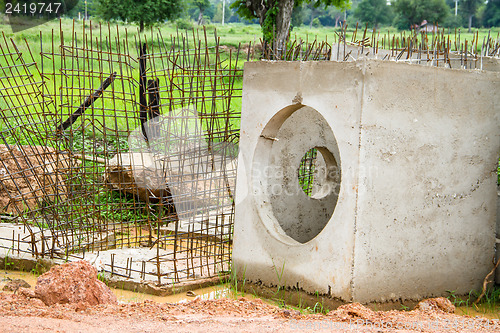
(283, 19)
(200, 18)
(280, 25)
(141, 26)
(470, 22)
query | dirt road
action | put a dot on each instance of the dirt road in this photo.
(21, 314)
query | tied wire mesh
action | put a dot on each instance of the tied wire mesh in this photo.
(122, 150)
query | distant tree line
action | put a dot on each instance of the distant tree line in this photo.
(406, 13)
(148, 12)
(314, 13)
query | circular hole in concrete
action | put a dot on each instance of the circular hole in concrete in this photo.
(318, 173)
(285, 203)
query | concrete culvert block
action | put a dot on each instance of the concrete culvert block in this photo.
(377, 184)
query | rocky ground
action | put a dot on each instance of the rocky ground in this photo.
(64, 302)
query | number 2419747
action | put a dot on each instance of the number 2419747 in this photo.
(33, 8)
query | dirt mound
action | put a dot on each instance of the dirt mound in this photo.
(30, 175)
(354, 311)
(73, 283)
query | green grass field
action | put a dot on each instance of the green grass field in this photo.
(231, 34)
(115, 109)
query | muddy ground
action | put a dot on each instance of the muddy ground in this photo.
(21, 314)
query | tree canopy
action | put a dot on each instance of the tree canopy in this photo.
(491, 16)
(374, 12)
(143, 12)
(202, 5)
(469, 8)
(409, 12)
(275, 16)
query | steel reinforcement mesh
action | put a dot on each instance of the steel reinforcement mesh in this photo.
(120, 148)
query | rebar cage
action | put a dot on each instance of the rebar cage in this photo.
(112, 142)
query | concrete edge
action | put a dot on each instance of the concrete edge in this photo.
(38, 266)
(152, 289)
(303, 299)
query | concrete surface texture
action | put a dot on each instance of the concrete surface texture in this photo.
(408, 206)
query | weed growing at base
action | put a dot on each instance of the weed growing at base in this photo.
(490, 303)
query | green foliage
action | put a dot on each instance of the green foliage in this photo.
(242, 10)
(39, 269)
(184, 24)
(404, 308)
(202, 5)
(468, 9)
(331, 16)
(7, 263)
(491, 16)
(101, 276)
(91, 6)
(232, 279)
(217, 17)
(453, 21)
(298, 16)
(374, 12)
(104, 146)
(269, 23)
(113, 207)
(279, 295)
(409, 12)
(267, 12)
(146, 12)
(498, 173)
(490, 302)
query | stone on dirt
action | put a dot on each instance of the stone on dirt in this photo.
(439, 303)
(134, 173)
(15, 284)
(353, 311)
(26, 292)
(74, 282)
(151, 177)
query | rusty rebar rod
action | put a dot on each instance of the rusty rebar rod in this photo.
(88, 102)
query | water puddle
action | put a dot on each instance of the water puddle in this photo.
(5, 276)
(213, 292)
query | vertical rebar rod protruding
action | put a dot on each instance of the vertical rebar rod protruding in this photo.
(143, 107)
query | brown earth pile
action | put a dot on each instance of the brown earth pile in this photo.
(30, 175)
(74, 282)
